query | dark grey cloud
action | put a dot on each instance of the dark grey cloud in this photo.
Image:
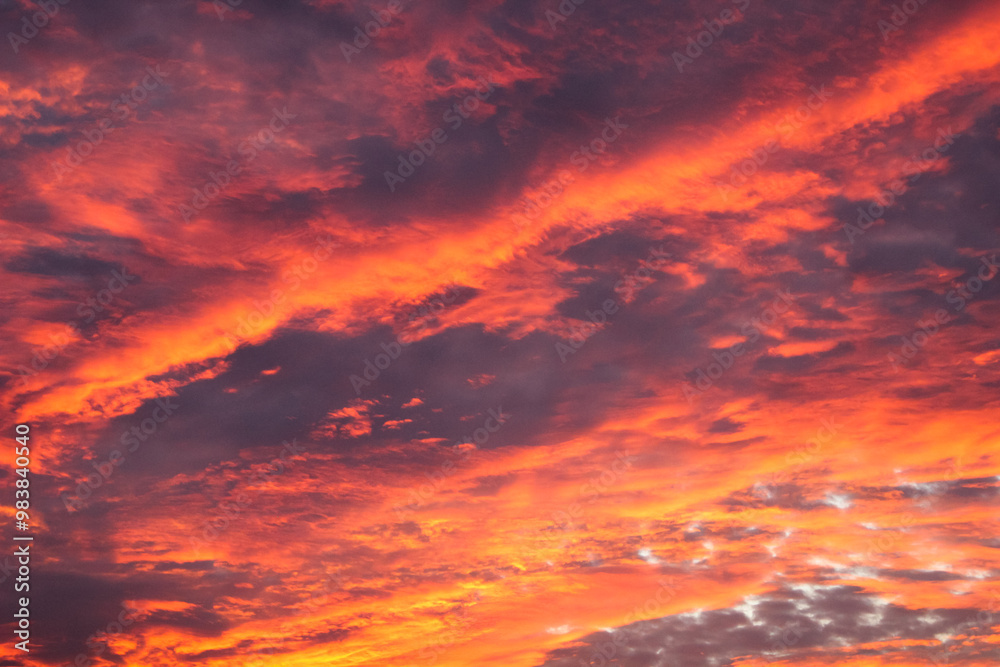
(797, 623)
(50, 262)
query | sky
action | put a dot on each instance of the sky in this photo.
(482, 333)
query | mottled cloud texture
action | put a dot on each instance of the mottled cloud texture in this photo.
(504, 333)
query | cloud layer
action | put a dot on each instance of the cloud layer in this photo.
(674, 345)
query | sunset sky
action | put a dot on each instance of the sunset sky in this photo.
(500, 333)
